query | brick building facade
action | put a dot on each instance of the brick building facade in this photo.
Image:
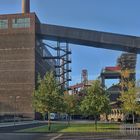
(21, 60)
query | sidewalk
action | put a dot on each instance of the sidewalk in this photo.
(11, 127)
(7, 124)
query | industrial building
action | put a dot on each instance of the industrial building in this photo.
(24, 55)
(127, 61)
(21, 53)
(85, 82)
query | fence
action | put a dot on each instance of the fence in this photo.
(129, 129)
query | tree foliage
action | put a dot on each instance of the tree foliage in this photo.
(129, 101)
(129, 96)
(70, 104)
(47, 97)
(138, 86)
(96, 101)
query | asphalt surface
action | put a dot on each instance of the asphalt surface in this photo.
(91, 136)
(63, 136)
(12, 128)
(9, 133)
(29, 136)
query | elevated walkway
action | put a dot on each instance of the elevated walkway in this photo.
(89, 37)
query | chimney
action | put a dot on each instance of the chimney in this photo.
(25, 6)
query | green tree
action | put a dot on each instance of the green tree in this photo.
(138, 87)
(79, 98)
(47, 97)
(70, 103)
(95, 102)
(129, 99)
(129, 94)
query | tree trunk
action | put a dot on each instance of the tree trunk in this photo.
(96, 123)
(68, 119)
(44, 116)
(133, 118)
(106, 115)
(49, 121)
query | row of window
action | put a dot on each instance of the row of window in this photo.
(4, 24)
(16, 23)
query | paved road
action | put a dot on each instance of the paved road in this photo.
(6, 124)
(85, 136)
(62, 136)
(12, 128)
(25, 136)
(7, 133)
(28, 136)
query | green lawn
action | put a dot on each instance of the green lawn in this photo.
(75, 128)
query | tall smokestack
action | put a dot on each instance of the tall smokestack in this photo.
(25, 6)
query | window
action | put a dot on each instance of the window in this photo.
(21, 23)
(3, 24)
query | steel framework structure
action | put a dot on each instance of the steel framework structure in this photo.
(62, 68)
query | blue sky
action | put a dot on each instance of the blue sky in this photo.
(117, 16)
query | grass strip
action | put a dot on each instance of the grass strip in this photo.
(102, 127)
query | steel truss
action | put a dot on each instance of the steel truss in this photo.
(62, 68)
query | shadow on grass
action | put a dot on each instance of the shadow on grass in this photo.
(43, 129)
(73, 127)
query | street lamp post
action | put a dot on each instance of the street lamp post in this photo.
(15, 100)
